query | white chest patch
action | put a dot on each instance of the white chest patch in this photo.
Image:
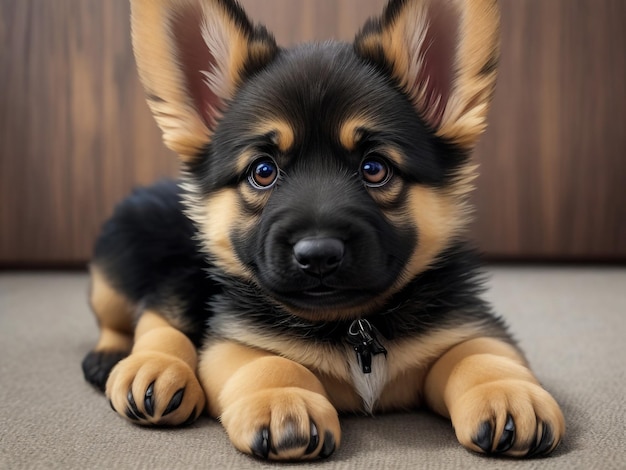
(368, 386)
(367, 363)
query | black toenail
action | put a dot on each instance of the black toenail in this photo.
(314, 440)
(175, 402)
(508, 436)
(545, 444)
(484, 437)
(148, 401)
(133, 407)
(131, 415)
(261, 445)
(329, 445)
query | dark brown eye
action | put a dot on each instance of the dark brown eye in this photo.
(263, 173)
(375, 171)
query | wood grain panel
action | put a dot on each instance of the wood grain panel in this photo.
(554, 157)
(294, 21)
(75, 132)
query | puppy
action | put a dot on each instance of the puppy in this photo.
(312, 259)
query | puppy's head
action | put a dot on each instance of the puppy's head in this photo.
(329, 175)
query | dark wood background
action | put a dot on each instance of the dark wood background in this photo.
(76, 134)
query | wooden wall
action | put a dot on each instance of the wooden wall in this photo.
(75, 131)
(76, 134)
(553, 160)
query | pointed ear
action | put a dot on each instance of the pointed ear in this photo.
(192, 55)
(444, 55)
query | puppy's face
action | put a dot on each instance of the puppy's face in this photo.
(319, 171)
(328, 175)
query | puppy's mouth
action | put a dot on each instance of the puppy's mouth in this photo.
(321, 291)
(323, 297)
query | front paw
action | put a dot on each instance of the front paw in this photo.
(509, 417)
(152, 388)
(283, 424)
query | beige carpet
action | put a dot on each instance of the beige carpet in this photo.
(570, 321)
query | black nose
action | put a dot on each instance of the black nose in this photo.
(318, 256)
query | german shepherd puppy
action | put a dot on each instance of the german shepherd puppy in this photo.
(312, 259)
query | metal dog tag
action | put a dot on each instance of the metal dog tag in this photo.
(363, 337)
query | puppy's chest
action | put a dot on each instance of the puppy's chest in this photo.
(369, 386)
(366, 357)
(357, 369)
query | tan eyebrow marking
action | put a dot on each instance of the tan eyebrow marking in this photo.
(351, 131)
(281, 134)
(393, 154)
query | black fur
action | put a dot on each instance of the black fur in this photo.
(148, 249)
(445, 296)
(319, 218)
(148, 253)
(98, 364)
(315, 87)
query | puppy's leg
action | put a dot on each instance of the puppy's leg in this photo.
(114, 314)
(157, 383)
(271, 407)
(494, 401)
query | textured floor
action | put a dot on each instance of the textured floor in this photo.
(570, 321)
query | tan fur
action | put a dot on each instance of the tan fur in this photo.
(252, 379)
(246, 158)
(439, 218)
(341, 393)
(469, 379)
(350, 131)
(184, 130)
(464, 118)
(284, 135)
(254, 390)
(254, 200)
(408, 361)
(437, 214)
(164, 356)
(113, 341)
(485, 380)
(113, 312)
(350, 134)
(394, 155)
(154, 333)
(388, 195)
(217, 217)
(467, 106)
(407, 34)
